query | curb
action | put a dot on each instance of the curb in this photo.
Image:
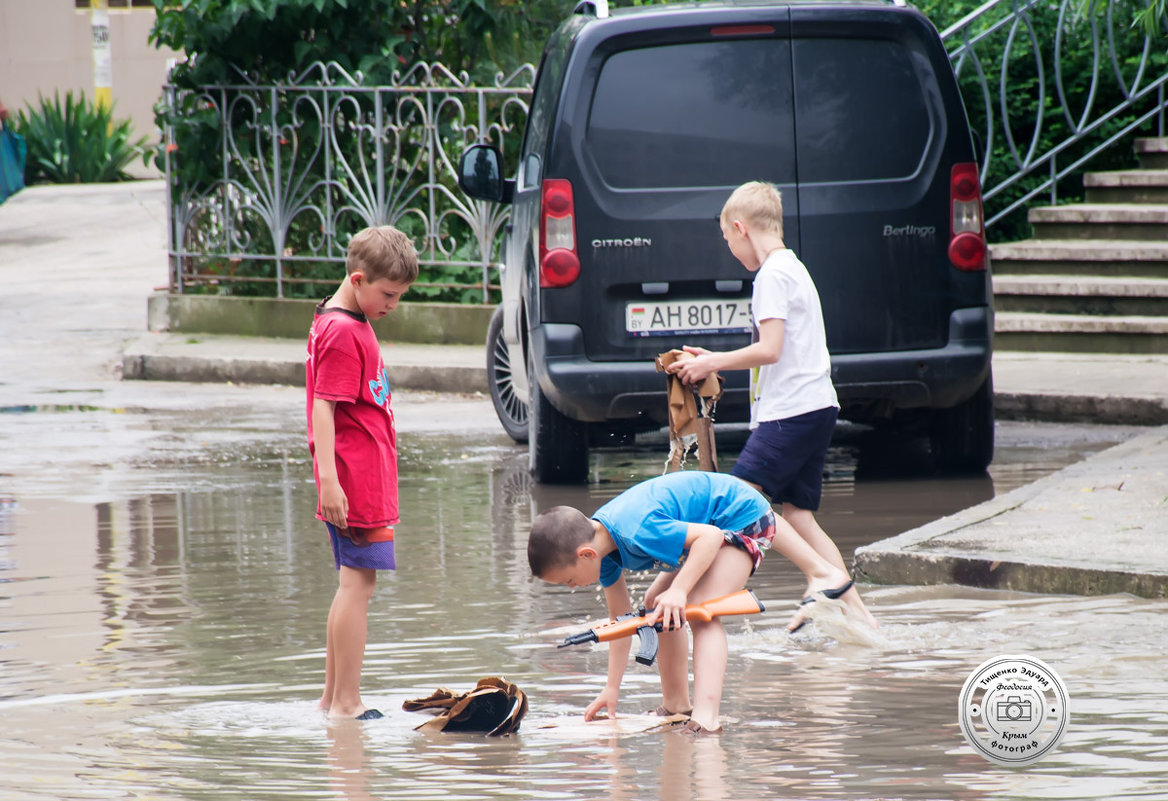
(952, 550)
(1108, 409)
(154, 357)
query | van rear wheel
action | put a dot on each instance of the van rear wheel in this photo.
(511, 409)
(558, 445)
(962, 438)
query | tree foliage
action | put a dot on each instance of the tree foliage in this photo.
(267, 40)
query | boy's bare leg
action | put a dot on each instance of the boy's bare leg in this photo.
(808, 529)
(330, 657)
(820, 573)
(672, 654)
(728, 573)
(348, 620)
(673, 667)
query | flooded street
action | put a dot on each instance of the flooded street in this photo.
(164, 586)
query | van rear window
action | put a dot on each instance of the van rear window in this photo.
(861, 110)
(702, 114)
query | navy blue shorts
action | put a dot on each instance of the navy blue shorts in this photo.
(785, 457)
(368, 555)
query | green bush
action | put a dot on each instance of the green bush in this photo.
(76, 142)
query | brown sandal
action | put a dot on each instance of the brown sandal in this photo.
(692, 727)
(662, 712)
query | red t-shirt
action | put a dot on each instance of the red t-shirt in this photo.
(344, 365)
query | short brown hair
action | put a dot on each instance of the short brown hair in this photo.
(383, 252)
(758, 204)
(555, 536)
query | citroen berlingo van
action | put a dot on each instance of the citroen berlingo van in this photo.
(641, 123)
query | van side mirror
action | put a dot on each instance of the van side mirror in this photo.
(480, 174)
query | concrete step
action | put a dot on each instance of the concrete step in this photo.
(1131, 221)
(1088, 257)
(1152, 152)
(1127, 186)
(1073, 294)
(1073, 333)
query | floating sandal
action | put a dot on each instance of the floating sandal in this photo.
(370, 714)
(833, 594)
(494, 707)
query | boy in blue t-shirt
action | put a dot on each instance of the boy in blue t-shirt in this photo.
(707, 532)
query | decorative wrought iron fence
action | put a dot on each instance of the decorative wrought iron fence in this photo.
(300, 167)
(1011, 58)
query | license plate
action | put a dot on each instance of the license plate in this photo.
(688, 317)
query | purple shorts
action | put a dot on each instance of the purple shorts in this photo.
(368, 555)
(755, 539)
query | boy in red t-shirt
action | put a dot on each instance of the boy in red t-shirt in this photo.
(354, 448)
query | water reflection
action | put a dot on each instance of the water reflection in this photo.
(170, 646)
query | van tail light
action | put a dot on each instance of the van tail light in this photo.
(967, 245)
(559, 263)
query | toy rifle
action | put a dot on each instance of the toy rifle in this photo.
(743, 602)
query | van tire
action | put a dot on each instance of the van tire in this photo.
(511, 409)
(557, 445)
(962, 438)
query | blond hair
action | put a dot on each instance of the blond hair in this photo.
(383, 252)
(555, 536)
(758, 204)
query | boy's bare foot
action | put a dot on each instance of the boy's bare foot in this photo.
(358, 713)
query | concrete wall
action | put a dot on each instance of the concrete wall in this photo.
(433, 323)
(46, 46)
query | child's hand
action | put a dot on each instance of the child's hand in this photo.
(669, 609)
(695, 370)
(605, 701)
(334, 506)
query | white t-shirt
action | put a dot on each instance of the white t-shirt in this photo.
(800, 381)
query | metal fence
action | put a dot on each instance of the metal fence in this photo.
(301, 166)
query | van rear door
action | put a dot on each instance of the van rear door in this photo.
(873, 170)
(655, 135)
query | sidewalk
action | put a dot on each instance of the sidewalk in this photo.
(1094, 528)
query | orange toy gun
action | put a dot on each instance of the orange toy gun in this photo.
(743, 602)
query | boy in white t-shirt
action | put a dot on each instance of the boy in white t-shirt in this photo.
(793, 404)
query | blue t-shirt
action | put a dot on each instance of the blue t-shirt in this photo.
(649, 520)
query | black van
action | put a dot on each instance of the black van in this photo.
(642, 123)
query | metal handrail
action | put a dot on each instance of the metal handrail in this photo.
(973, 41)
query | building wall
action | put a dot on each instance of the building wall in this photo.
(46, 47)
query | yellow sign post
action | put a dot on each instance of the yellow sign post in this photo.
(103, 72)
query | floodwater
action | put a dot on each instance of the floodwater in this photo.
(161, 638)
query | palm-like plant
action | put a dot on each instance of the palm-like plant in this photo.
(76, 142)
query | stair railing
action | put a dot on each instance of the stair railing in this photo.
(987, 40)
